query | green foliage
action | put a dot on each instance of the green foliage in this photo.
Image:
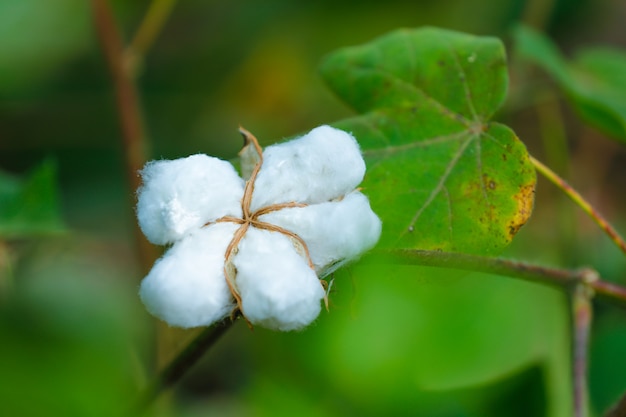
(397, 341)
(606, 379)
(436, 311)
(67, 333)
(390, 346)
(34, 55)
(441, 174)
(30, 207)
(593, 80)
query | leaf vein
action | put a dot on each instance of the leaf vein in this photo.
(440, 184)
(464, 83)
(415, 144)
(479, 167)
(446, 192)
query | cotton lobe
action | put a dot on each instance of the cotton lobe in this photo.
(260, 245)
(182, 195)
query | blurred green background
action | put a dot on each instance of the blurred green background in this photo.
(74, 339)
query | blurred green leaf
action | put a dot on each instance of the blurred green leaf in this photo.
(446, 333)
(607, 379)
(441, 175)
(30, 207)
(277, 397)
(68, 332)
(416, 341)
(37, 39)
(593, 80)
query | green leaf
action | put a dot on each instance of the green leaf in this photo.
(71, 329)
(607, 377)
(30, 207)
(33, 53)
(441, 175)
(593, 81)
(400, 336)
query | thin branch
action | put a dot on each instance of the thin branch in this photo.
(528, 272)
(144, 38)
(135, 144)
(581, 202)
(6, 271)
(564, 278)
(608, 289)
(127, 100)
(582, 313)
(133, 135)
(183, 362)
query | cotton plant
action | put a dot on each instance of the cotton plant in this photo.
(260, 245)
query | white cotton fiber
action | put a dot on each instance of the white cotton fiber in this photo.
(181, 200)
(334, 231)
(278, 289)
(319, 166)
(187, 287)
(184, 194)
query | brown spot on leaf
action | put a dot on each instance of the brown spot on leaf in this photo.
(525, 201)
(488, 182)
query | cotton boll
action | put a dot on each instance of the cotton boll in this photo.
(184, 194)
(278, 288)
(187, 287)
(333, 231)
(319, 166)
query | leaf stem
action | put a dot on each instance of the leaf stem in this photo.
(149, 28)
(563, 278)
(133, 135)
(581, 202)
(183, 362)
(582, 313)
(609, 289)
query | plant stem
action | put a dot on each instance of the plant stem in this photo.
(582, 312)
(127, 101)
(581, 202)
(183, 362)
(144, 38)
(133, 135)
(566, 278)
(608, 289)
(6, 271)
